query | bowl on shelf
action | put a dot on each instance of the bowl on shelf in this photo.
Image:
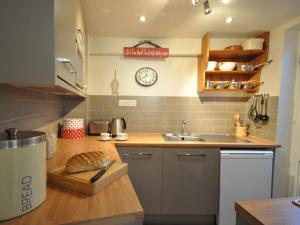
(211, 66)
(234, 47)
(227, 66)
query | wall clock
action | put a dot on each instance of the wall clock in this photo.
(146, 76)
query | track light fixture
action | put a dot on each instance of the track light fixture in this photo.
(194, 2)
(207, 9)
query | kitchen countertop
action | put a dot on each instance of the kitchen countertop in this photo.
(159, 141)
(279, 211)
(116, 204)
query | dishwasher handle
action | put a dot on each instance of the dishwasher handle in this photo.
(246, 154)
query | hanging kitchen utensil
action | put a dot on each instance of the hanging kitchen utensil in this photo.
(115, 85)
(265, 118)
(254, 112)
(258, 109)
(251, 107)
(261, 108)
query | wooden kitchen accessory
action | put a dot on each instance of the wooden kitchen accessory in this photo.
(81, 181)
(241, 131)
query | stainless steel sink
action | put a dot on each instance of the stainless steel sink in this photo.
(211, 137)
(179, 137)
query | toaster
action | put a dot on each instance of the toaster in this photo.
(96, 127)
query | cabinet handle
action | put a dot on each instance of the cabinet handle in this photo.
(191, 155)
(138, 154)
(82, 87)
(67, 62)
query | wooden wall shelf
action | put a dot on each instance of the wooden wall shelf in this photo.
(234, 72)
(236, 55)
(253, 57)
(231, 90)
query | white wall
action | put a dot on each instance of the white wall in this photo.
(294, 188)
(273, 71)
(177, 74)
(285, 111)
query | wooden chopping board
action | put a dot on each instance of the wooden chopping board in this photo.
(81, 181)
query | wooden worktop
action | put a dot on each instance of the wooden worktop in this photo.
(159, 141)
(278, 211)
(116, 204)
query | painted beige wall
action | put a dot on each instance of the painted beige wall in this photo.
(271, 74)
(177, 74)
(284, 40)
(294, 188)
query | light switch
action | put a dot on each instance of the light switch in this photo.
(131, 103)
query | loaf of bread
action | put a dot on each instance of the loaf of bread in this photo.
(85, 161)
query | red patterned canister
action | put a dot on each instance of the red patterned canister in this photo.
(73, 123)
(73, 133)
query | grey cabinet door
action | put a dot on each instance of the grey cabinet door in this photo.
(26, 42)
(191, 181)
(65, 45)
(145, 172)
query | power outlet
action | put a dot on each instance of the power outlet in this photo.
(131, 103)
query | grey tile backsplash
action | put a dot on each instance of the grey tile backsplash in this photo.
(165, 114)
(31, 110)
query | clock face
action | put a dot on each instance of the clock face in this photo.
(146, 76)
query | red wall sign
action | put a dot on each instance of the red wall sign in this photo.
(146, 52)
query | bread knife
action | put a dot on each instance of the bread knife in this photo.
(101, 172)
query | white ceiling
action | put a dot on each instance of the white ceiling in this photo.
(179, 18)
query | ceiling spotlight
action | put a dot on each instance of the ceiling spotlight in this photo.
(142, 19)
(226, 1)
(207, 9)
(194, 2)
(229, 19)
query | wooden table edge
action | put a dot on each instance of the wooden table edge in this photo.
(246, 215)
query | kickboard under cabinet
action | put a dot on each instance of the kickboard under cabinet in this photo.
(81, 181)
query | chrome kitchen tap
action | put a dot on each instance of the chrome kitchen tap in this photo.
(183, 127)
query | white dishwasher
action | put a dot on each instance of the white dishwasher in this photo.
(244, 175)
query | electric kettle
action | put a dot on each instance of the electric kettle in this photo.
(117, 125)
